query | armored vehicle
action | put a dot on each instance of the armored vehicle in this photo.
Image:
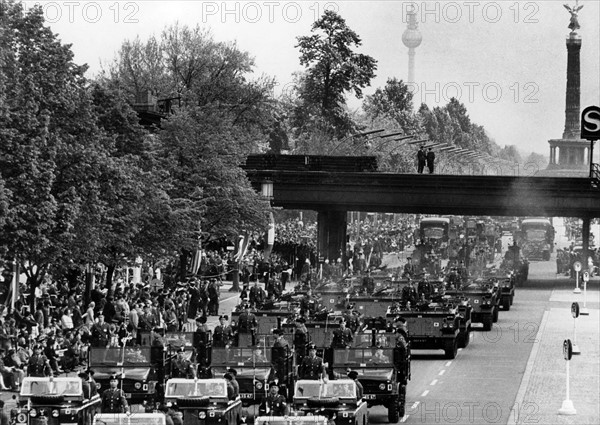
(203, 401)
(337, 400)
(55, 401)
(484, 299)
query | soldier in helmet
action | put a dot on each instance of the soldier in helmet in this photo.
(182, 367)
(312, 367)
(409, 294)
(247, 322)
(113, 399)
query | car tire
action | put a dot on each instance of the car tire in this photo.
(47, 399)
(451, 349)
(194, 402)
(464, 338)
(487, 323)
(402, 401)
(323, 402)
(393, 413)
(495, 314)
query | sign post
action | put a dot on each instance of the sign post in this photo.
(577, 268)
(590, 130)
(567, 407)
(585, 277)
(575, 313)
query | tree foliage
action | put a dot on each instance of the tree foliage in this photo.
(333, 69)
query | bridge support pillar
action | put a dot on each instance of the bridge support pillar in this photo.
(585, 236)
(331, 229)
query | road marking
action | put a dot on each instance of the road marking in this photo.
(433, 382)
(404, 418)
(415, 404)
(460, 349)
(425, 393)
(442, 372)
(448, 363)
(514, 413)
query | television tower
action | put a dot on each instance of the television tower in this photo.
(412, 39)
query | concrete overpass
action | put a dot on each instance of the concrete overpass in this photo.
(333, 186)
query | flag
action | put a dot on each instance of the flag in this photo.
(15, 286)
(241, 247)
(196, 259)
(270, 237)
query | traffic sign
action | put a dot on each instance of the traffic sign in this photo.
(577, 266)
(575, 310)
(567, 349)
(585, 276)
(590, 123)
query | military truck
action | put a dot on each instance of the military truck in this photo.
(337, 400)
(125, 419)
(203, 401)
(383, 369)
(433, 326)
(506, 281)
(139, 376)
(55, 401)
(484, 299)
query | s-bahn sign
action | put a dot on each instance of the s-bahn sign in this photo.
(590, 123)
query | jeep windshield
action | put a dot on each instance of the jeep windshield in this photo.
(343, 388)
(241, 356)
(117, 356)
(133, 419)
(216, 388)
(55, 386)
(364, 357)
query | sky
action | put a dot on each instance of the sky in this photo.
(505, 60)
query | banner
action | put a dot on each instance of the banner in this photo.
(241, 247)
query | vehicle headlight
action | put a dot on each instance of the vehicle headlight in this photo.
(98, 385)
(259, 385)
(202, 415)
(382, 387)
(55, 413)
(138, 385)
(33, 413)
(450, 325)
(445, 325)
(21, 417)
(169, 404)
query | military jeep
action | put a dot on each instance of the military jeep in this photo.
(203, 401)
(337, 400)
(383, 372)
(55, 401)
(484, 299)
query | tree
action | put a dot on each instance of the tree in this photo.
(333, 69)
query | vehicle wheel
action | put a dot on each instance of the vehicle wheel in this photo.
(487, 323)
(464, 338)
(47, 399)
(512, 297)
(506, 303)
(393, 413)
(402, 401)
(451, 349)
(194, 402)
(495, 314)
(323, 402)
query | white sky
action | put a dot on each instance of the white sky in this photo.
(517, 47)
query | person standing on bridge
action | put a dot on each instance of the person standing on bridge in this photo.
(430, 160)
(421, 158)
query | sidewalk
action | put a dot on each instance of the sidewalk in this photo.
(543, 387)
